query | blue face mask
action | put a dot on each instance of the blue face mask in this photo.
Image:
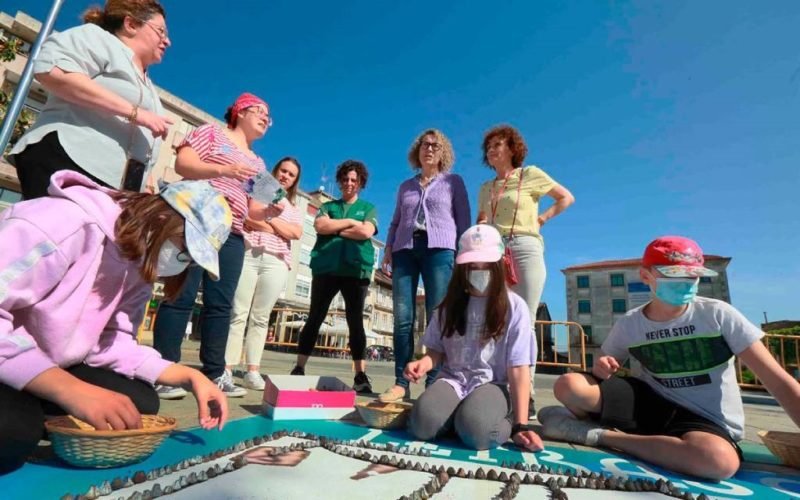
(676, 291)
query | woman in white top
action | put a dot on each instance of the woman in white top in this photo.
(103, 116)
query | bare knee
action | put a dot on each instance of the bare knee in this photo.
(724, 463)
(567, 386)
(715, 457)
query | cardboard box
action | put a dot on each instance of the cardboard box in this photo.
(307, 397)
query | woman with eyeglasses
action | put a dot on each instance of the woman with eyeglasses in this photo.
(224, 156)
(510, 202)
(74, 286)
(431, 212)
(103, 116)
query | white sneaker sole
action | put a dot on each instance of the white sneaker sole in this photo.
(172, 395)
(235, 394)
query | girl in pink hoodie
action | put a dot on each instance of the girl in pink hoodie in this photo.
(76, 269)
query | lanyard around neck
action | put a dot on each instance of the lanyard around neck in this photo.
(495, 198)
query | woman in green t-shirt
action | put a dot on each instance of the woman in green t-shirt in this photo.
(342, 261)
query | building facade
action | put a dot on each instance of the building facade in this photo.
(297, 292)
(599, 293)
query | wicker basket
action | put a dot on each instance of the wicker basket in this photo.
(384, 415)
(79, 444)
(784, 445)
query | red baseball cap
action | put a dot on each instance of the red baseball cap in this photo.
(676, 257)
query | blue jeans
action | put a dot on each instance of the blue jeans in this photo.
(435, 265)
(215, 319)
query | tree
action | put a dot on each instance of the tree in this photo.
(8, 52)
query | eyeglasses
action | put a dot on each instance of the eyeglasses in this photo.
(433, 146)
(259, 112)
(161, 31)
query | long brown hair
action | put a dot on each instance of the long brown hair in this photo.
(291, 193)
(145, 224)
(112, 16)
(452, 310)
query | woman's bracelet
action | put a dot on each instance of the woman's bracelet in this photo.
(134, 113)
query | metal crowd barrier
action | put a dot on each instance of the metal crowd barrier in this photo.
(786, 351)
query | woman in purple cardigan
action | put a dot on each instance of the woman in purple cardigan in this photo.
(432, 211)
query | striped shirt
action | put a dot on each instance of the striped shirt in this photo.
(272, 243)
(213, 145)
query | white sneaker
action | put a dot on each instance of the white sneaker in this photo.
(561, 424)
(226, 385)
(170, 391)
(254, 380)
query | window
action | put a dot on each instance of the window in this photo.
(583, 282)
(302, 287)
(181, 131)
(587, 330)
(617, 280)
(619, 306)
(305, 255)
(308, 226)
(584, 307)
(705, 279)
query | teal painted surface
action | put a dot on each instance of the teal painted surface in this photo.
(53, 479)
(758, 453)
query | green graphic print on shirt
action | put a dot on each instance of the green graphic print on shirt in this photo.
(682, 361)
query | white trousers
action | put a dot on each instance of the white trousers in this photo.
(260, 284)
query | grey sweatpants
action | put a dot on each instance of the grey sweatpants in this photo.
(482, 420)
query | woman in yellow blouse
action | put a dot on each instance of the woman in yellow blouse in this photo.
(510, 202)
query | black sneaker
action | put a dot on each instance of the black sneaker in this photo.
(361, 383)
(297, 370)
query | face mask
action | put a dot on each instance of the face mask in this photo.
(676, 292)
(169, 262)
(479, 279)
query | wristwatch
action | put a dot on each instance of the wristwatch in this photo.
(517, 428)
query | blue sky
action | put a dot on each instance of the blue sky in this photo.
(670, 117)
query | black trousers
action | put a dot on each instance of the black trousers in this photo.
(324, 288)
(37, 162)
(22, 414)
